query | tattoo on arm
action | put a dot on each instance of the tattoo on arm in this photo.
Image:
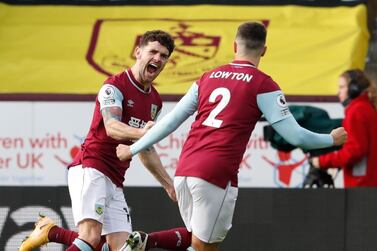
(114, 112)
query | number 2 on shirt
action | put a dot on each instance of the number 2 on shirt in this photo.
(225, 98)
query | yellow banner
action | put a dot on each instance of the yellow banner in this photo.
(72, 49)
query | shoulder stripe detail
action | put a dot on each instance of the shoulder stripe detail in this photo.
(137, 87)
(247, 65)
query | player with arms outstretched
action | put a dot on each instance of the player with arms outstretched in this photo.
(229, 99)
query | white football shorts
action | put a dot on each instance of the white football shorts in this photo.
(94, 196)
(206, 209)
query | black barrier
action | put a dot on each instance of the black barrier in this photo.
(264, 220)
(361, 221)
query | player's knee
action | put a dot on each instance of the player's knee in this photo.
(199, 245)
(116, 240)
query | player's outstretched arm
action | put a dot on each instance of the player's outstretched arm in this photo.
(152, 162)
(184, 109)
(276, 111)
(296, 135)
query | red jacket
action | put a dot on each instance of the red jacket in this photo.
(358, 156)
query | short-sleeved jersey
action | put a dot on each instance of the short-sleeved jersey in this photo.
(138, 107)
(227, 114)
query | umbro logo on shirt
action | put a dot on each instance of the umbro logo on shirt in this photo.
(130, 103)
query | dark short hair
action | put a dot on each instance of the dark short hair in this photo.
(253, 34)
(164, 38)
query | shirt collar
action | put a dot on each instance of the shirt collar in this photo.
(136, 83)
(243, 63)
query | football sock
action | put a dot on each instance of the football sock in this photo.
(66, 237)
(105, 247)
(172, 239)
(80, 245)
(62, 235)
(73, 248)
(102, 245)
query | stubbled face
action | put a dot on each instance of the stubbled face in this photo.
(151, 60)
(342, 89)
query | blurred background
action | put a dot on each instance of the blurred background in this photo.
(55, 55)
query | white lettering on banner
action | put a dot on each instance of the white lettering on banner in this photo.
(18, 216)
(26, 179)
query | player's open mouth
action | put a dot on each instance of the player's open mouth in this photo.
(152, 68)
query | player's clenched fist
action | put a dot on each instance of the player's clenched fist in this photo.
(339, 136)
(123, 152)
(147, 126)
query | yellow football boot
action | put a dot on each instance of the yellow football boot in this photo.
(39, 236)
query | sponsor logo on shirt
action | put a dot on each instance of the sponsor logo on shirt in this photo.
(136, 122)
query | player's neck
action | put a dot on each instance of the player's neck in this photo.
(138, 78)
(253, 60)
